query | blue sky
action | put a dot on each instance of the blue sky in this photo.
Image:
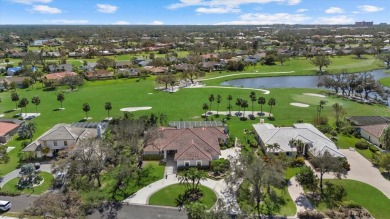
(197, 12)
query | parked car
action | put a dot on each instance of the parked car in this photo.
(5, 205)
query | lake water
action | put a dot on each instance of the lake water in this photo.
(288, 81)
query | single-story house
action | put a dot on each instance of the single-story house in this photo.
(59, 75)
(156, 70)
(372, 133)
(314, 141)
(188, 146)
(18, 81)
(17, 70)
(8, 127)
(61, 68)
(123, 64)
(98, 75)
(368, 120)
(60, 137)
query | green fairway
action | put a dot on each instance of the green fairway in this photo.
(10, 186)
(186, 104)
(367, 196)
(167, 196)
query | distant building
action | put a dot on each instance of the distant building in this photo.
(364, 23)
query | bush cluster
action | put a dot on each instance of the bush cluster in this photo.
(310, 215)
(298, 162)
(362, 144)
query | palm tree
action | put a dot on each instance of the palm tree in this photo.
(15, 98)
(320, 107)
(211, 99)
(261, 101)
(61, 98)
(86, 109)
(205, 107)
(230, 98)
(23, 104)
(163, 119)
(271, 102)
(244, 104)
(108, 107)
(31, 129)
(253, 99)
(219, 98)
(273, 147)
(36, 101)
(238, 103)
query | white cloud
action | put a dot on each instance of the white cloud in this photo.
(44, 9)
(64, 21)
(334, 10)
(342, 19)
(121, 23)
(301, 10)
(30, 2)
(106, 8)
(217, 10)
(260, 18)
(369, 8)
(226, 3)
(293, 2)
(157, 23)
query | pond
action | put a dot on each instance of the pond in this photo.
(288, 81)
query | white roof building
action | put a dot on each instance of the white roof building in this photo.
(318, 143)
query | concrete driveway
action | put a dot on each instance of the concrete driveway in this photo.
(362, 170)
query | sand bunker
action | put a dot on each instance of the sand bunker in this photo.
(313, 94)
(132, 109)
(299, 104)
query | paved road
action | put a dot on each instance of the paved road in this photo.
(145, 212)
(19, 203)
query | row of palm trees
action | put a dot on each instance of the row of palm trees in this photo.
(23, 102)
(240, 103)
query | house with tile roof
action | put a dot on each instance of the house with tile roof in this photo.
(188, 146)
(314, 141)
(60, 137)
(8, 127)
(373, 133)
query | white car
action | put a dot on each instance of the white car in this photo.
(5, 205)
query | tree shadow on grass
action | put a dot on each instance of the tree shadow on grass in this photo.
(56, 109)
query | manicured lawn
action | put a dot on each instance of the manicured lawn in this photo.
(156, 173)
(292, 171)
(10, 186)
(369, 197)
(167, 196)
(385, 81)
(346, 142)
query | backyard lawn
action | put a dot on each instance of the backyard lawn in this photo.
(365, 195)
(10, 186)
(167, 196)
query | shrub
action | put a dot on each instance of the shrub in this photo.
(325, 128)
(333, 133)
(348, 130)
(310, 215)
(362, 144)
(220, 166)
(350, 204)
(373, 148)
(298, 162)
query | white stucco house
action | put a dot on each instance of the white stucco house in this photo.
(373, 133)
(60, 137)
(313, 141)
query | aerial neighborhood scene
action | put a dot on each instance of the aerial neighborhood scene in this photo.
(199, 109)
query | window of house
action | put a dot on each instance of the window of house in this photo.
(198, 163)
(186, 163)
(55, 143)
(65, 143)
(45, 143)
(288, 153)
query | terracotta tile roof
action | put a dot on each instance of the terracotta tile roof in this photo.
(192, 152)
(6, 127)
(375, 130)
(59, 75)
(206, 141)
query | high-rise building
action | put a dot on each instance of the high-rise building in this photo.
(364, 23)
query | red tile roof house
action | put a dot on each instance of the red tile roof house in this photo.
(8, 127)
(188, 146)
(98, 75)
(59, 75)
